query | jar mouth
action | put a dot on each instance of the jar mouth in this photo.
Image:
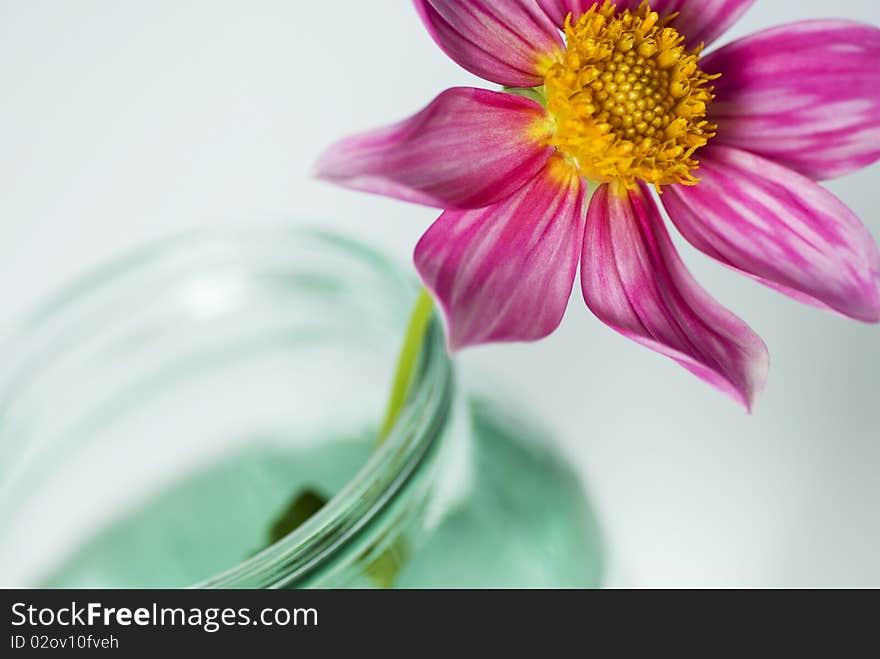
(296, 559)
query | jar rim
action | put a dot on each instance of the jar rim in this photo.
(301, 555)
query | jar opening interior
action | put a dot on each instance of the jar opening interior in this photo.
(158, 417)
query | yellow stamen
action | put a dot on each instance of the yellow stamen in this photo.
(626, 100)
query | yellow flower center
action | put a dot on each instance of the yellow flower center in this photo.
(627, 101)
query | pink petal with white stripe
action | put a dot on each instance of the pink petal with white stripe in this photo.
(505, 273)
(634, 280)
(468, 149)
(806, 95)
(780, 227)
(505, 41)
(698, 21)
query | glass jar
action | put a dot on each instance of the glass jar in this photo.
(159, 418)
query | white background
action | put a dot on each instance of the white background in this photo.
(121, 122)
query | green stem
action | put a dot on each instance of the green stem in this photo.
(383, 570)
(406, 363)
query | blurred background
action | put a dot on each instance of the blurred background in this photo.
(123, 122)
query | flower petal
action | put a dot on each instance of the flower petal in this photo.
(469, 148)
(508, 42)
(780, 227)
(505, 273)
(634, 281)
(698, 21)
(806, 95)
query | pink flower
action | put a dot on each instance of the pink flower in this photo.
(617, 100)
